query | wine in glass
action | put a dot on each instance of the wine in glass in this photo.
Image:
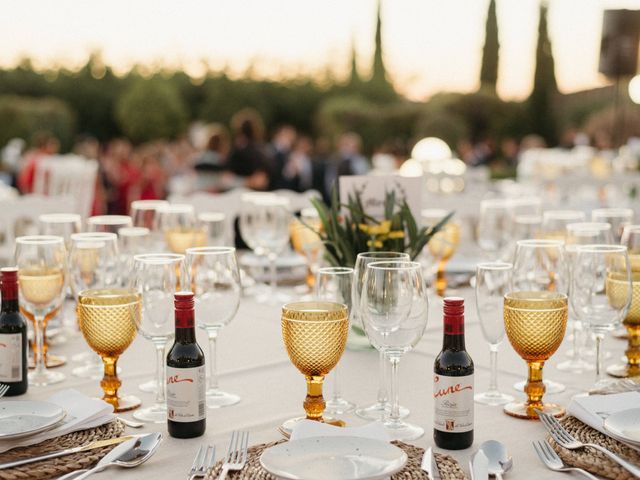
(315, 336)
(394, 310)
(41, 261)
(493, 282)
(214, 278)
(157, 277)
(108, 319)
(180, 227)
(442, 245)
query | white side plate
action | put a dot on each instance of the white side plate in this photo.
(20, 418)
(625, 425)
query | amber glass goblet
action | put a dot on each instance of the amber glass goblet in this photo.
(315, 336)
(108, 319)
(535, 323)
(442, 245)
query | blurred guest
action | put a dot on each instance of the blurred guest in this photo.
(280, 149)
(210, 165)
(297, 173)
(10, 160)
(247, 157)
(153, 177)
(87, 146)
(348, 160)
(44, 145)
(120, 175)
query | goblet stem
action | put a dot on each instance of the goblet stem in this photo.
(160, 375)
(336, 384)
(110, 382)
(599, 341)
(273, 271)
(213, 362)
(39, 353)
(576, 339)
(534, 388)
(314, 402)
(441, 279)
(633, 350)
(493, 362)
(394, 416)
(382, 389)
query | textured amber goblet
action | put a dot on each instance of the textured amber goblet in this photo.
(107, 318)
(631, 323)
(315, 335)
(442, 246)
(535, 324)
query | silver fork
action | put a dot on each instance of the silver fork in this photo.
(566, 440)
(237, 453)
(204, 460)
(553, 462)
(3, 389)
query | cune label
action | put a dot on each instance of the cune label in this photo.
(186, 388)
(10, 357)
(453, 403)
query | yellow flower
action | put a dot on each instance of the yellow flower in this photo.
(396, 234)
(381, 228)
(374, 243)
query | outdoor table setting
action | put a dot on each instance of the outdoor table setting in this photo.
(226, 397)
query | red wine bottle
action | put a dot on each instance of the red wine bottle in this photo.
(13, 335)
(453, 383)
(186, 376)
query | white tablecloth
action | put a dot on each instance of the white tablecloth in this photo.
(254, 364)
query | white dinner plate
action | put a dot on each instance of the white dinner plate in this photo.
(333, 458)
(20, 418)
(625, 425)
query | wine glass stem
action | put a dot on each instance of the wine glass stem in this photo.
(39, 353)
(493, 362)
(382, 389)
(599, 340)
(441, 279)
(336, 383)
(213, 367)
(395, 391)
(576, 339)
(160, 373)
(273, 272)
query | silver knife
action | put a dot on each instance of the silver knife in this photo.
(68, 451)
(429, 464)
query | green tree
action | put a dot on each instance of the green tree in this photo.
(540, 104)
(151, 109)
(379, 88)
(489, 68)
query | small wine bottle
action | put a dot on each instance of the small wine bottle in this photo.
(453, 383)
(13, 335)
(186, 376)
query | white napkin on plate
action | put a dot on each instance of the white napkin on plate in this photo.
(593, 409)
(82, 412)
(309, 429)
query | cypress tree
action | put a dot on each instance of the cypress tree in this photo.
(545, 88)
(379, 87)
(354, 79)
(489, 68)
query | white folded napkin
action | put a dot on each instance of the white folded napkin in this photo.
(593, 409)
(82, 412)
(309, 429)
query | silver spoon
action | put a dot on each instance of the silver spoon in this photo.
(130, 423)
(499, 459)
(128, 454)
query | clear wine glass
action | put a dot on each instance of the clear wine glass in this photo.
(306, 241)
(264, 226)
(92, 264)
(539, 266)
(527, 205)
(493, 282)
(554, 222)
(601, 292)
(133, 241)
(494, 225)
(61, 225)
(618, 218)
(145, 214)
(214, 278)
(108, 223)
(214, 226)
(333, 284)
(179, 225)
(157, 277)
(394, 309)
(378, 410)
(41, 261)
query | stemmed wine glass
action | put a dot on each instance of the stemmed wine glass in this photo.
(133, 241)
(618, 218)
(306, 241)
(494, 224)
(394, 309)
(214, 278)
(493, 282)
(333, 284)
(264, 226)
(144, 213)
(213, 224)
(108, 223)
(179, 225)
(554, 223)
(156, 278)
(41, 274)
(378, 410)
(601, 292)
(442, 245)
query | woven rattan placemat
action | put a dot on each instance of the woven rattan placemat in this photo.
(57, 467)
(591, 459)
(448, 467)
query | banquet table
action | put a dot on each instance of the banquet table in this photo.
(254, 364)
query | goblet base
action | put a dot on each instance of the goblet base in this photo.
(287, 427)
(575, 365)
(53, 361)
(493, 399)
(85, 357)
(520, 410)
(338, 406)
(45, 378)
(622, 370)
(219, 399)
(149, 387)
(379, 411)
(125, 403)
(549, 385)
(399, 430)
(156, 413)
(620, 333)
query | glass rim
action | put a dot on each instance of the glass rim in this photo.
(40, 240)
(109, 219)
(614, 211)
(148, 204)
(338, 312)
(387, 265)
(335, 270)
(600, 248)
(59, 217)
(518, 295)
(498, 265)
(108, 293)
(133, 231)
(176, 208)
(525, 200)
(588, 226)
(633, 227)
(528, 219)
(497, 202)
(562, 214)
(211, 216)
(158, 258)
(209, 250)
(389, 253)
(93, 236)
(539, 242)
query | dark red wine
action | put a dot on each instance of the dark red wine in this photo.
(453, 383)
(13, 335)
(186, 376)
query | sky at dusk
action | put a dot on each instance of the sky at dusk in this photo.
(429, 45)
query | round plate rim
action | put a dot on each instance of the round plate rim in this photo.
(55, 420)
(617, 433)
